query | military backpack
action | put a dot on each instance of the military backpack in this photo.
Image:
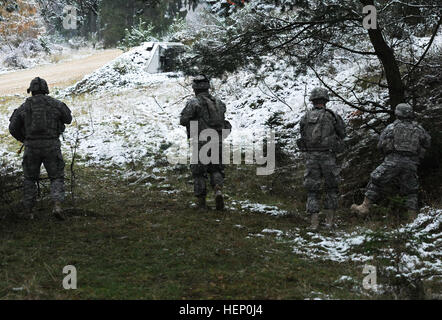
(320, 133)
(213, 114)
(42, 119)
(406, 138)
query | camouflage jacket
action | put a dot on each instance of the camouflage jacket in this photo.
(57, 114)
(197, 109)
(322, 130)
(405, 137)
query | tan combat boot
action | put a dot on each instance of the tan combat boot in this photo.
(219, 198)
(362, 209)
(315, 222)
(329, 215)
(58, 211)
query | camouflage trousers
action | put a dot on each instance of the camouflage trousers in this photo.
(398, 169)
(201, 172)
(321, 168)
(52, 160)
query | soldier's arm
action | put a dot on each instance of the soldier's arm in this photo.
(340, 127)
(302, 126)
(223, 106)
(425, 139)
(16, 124)
(385, 137)
(188, 113)
(66, 114)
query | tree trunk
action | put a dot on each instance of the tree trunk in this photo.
(386, 56)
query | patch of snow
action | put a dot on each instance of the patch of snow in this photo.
(277, 232)
(260, 208)
(426, 242)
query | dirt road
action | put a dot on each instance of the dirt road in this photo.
(61, 74)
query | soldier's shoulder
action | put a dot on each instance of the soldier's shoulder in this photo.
(417, 124)
(28, 100)
(306, 114)
(393, 125)
(419, 127)
(216, 98)
(192, 102)
(219, 101)
(389, 128)
(332, 114)
(22, 107)
(54, 100)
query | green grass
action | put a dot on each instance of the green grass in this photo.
(129, 241)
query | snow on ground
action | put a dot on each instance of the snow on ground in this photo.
(34, 53)
(422, 257)
(125, 72)
(246, 205)
(123, 101)
(127, 128)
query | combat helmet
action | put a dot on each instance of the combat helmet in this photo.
(319, 93)
(38, 85)
(404, 111)
(201, 82)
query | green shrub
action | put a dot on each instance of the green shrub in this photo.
(139, 33)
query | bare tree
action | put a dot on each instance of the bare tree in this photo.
(311, 33)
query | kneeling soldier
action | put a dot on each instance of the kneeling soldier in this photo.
(404, 143)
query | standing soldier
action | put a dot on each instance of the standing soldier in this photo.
(38, 124)
(403, 143)
(206, 112)
(322, 134)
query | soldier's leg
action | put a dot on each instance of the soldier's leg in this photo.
(331, 174)
(31, 170)
(54, 164)
(216, 175)
(409, 181)
(217, 181)
(199, 174)
(379, 178)
(312, 183)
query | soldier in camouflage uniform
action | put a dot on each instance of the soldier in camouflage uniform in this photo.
(208, 112)
(322, 134)
(38, 124)
(404, 143)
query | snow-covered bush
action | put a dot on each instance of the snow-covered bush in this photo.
(177, 31)
(127, 71)
(138, 34)
(14, 61)
(19, 21)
